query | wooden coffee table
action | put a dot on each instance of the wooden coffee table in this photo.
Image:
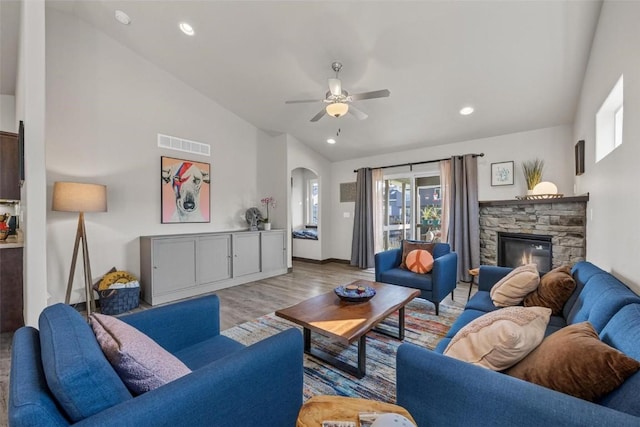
(328, 315)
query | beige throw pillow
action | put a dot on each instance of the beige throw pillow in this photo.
(139, 361)
(516, 285)
(501, 338)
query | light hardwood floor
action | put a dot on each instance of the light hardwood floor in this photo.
(242, 303)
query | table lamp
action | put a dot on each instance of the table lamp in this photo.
(81, 198)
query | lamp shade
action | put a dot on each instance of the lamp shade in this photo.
(337, 109)
(79, 197)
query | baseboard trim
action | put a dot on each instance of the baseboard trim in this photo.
(320, 261)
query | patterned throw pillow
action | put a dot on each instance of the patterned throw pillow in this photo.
(554, 290)
(574, 361)
(419, 261)
(512, 288)
(411, 245)
(139, 361)
(501, 338)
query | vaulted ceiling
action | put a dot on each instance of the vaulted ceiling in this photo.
(520, 64)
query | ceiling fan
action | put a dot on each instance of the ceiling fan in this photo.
(339, 101)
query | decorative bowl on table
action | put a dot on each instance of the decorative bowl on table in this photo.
(355, 292)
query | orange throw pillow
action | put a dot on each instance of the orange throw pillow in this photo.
(410, 245)
(419, 261)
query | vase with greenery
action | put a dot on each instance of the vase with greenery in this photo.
(533, 172)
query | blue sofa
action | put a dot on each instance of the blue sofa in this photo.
(434, 286)
(442, 391)
(60, 377)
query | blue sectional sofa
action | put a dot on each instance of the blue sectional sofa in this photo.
(60, 377)
(442, 391)
(434, 286)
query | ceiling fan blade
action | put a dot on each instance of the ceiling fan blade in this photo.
(301, 101)
(360, 115)
(319, 115)
(370, 95)
(335, 86)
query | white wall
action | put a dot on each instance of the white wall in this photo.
(30, 107)
(272, 178)
(105, 105)
(613, 229)
(301, 156)
(8, 113)
(550, 144)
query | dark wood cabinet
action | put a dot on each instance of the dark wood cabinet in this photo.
(11, 302)
(9, 166)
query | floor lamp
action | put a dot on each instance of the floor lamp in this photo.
(81, 198)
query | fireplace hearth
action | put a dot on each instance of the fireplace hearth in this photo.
(516, 249)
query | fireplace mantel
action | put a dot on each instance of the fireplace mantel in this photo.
(571, 199)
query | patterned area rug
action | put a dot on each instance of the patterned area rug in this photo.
(422, 327)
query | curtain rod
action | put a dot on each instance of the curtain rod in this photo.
(420, 163)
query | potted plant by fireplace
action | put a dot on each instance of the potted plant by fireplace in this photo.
(532, 170)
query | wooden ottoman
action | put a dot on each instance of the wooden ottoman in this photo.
(340, 408)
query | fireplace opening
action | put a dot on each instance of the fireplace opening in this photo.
(516, 249)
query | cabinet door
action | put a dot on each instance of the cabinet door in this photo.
(246, 253)
(11, 317)
(9, 166)
(214, 258)
(174, 264)
(273, 250)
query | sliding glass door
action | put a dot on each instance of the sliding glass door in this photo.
(412, 209)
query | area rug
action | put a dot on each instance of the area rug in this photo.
(422, 327)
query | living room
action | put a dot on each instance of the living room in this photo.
(93, 106)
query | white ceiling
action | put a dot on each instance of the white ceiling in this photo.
(519, 63)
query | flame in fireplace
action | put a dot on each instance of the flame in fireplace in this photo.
(526, 258)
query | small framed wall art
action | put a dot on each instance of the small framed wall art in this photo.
(185, 191)
(579, 151)
(502, 173)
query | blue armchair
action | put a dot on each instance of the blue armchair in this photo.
(433, 286)
(60, 377)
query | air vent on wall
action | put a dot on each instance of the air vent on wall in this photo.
(180, 144)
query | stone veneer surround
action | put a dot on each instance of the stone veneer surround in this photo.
(564, 219)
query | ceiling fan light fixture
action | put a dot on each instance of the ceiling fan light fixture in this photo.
(337, 109)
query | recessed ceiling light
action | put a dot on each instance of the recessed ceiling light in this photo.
(466, 111)
(187, 29)
(331, 141)
(122, 17)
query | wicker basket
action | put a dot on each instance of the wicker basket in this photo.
(116, 301)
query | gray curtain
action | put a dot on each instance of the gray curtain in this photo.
(362, 244)
(464, 222)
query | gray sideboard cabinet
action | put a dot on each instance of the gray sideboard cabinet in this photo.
(179, 266)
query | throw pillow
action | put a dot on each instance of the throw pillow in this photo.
(419, 261)
(574, 361)
(501, 338)
(511, 289)
(554, 290)
(411, 245)
(139, 361)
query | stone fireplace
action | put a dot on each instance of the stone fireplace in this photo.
(561, 222)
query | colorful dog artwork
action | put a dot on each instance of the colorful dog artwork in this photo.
(185, 191)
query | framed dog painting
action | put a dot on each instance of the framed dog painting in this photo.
(185, 191)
